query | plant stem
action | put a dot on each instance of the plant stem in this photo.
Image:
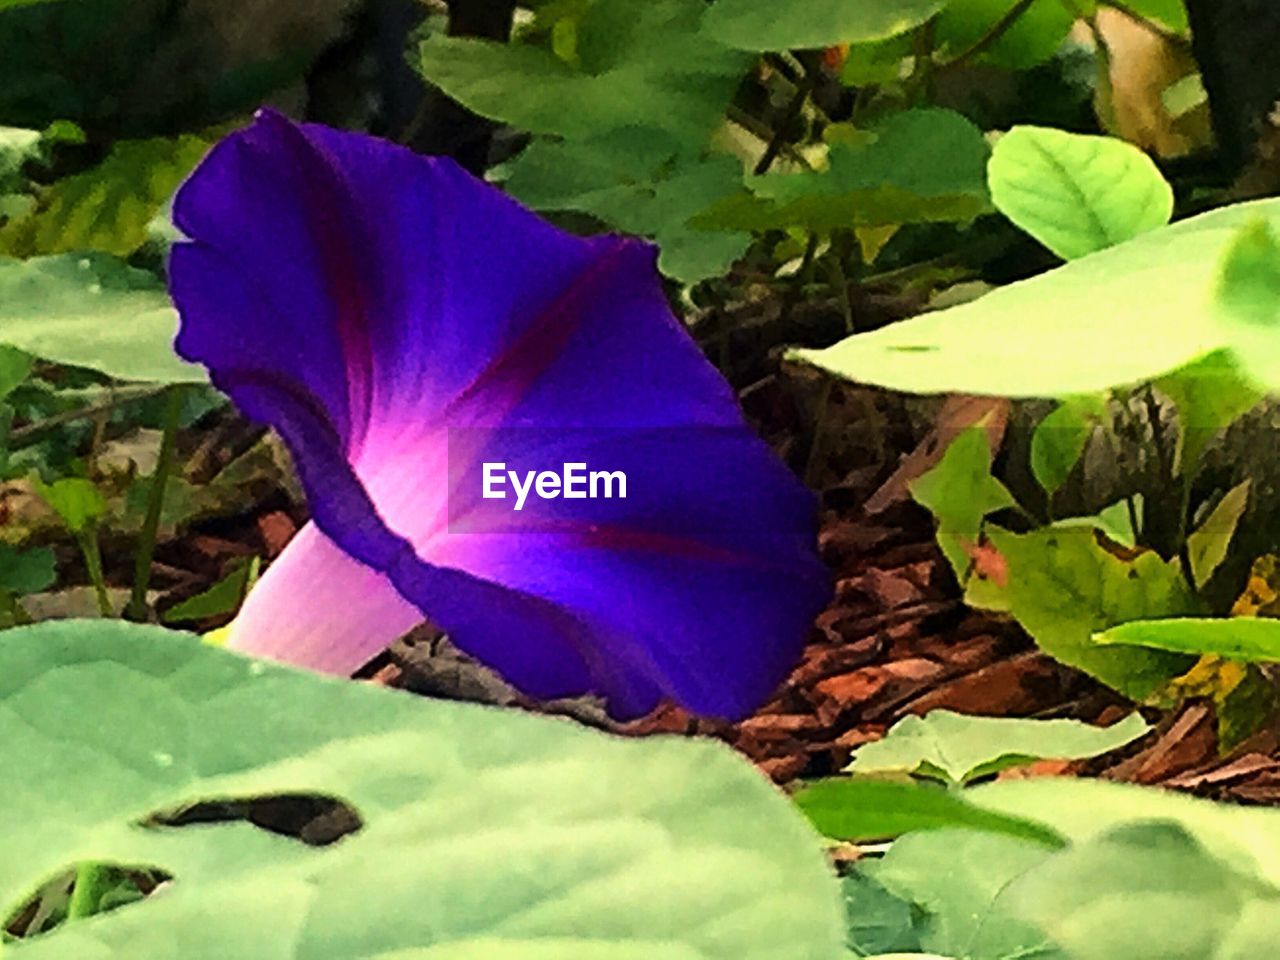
(91, 883)
(779, 138)
(92, 554)
(137, 608)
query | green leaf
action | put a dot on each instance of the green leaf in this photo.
(785, 24)
(78, 502)
(1250, 639)
(1032, 38)
(1143, 891)
(1077, 194)
(601, 176)
(961, 748)
(26, 571)
(1063, 587)
(1126, 315)
(879, 921)
(92, 311)
(959, 880)
(1207, 546)
(1172, 14)
(225, 596)
(1060, 438)
(109, 207)
(643, 65)
(863, 808)
(483, 833)
(920, 166)
(960, 492)
(1248, 300)
(14, 368)
(1210, 395)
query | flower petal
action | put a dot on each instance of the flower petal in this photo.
(399, 322)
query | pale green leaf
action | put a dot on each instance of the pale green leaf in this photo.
(92, 311)
(810, 24)
(1074, 193)
(1126, 315)
(78, 502)
(483, 833)
(961, 748)
(1250, 639)
(958, 879)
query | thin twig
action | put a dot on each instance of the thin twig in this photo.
(992, 36)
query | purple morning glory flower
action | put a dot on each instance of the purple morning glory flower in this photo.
(402, 325)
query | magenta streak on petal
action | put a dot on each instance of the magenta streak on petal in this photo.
(508, 377)
(342, 260)
(318, 605)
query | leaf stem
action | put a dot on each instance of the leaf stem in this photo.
(137, 608)
(92, 553)
(86, 895)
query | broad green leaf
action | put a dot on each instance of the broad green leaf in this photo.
(1082, 810)
(959, 879)
(1251, 639)
(601, 176)
(785, 24)
(864, 808)
(109, 207)
(1207, 545)
(483, 833)
(1063, 587)
(1077, 194)
(26, 571)
(92, 311)
(921, 166)
(643, 65)
(958, 748)
(1142, 891)
(960, 492)
(1060, 438)
(1032, 38)
(1125, 315)
(1210, 395)
(1248, 299)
